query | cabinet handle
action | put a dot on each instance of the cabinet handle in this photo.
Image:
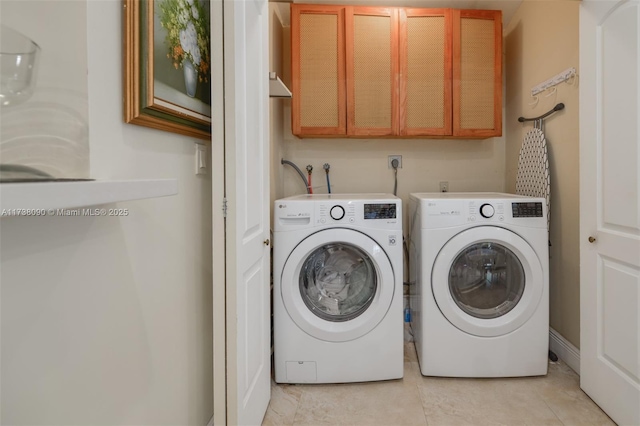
(267, 242)
(592, 239)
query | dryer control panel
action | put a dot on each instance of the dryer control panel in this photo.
(478, 209)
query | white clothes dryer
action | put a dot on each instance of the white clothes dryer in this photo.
(479, 265)
(337, 272)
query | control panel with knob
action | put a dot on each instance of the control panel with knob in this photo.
(487, 210)
(337, 212)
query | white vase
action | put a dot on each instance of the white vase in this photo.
(190, 77)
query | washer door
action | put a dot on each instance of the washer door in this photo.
(487, 281)
(337, 285)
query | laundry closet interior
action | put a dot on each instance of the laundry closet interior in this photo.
(539, 42)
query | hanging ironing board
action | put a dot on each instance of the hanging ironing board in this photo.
(533, 168)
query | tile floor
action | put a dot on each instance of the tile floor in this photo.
(555, 399)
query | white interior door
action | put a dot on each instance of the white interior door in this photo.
(246, 74)
(610, 206)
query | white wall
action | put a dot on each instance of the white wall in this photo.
(534, 55)
(108, 320)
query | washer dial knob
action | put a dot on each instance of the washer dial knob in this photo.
(336, 212)
(487, 210)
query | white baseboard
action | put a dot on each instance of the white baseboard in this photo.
(565, 350)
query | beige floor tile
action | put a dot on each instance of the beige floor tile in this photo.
(412, 373)
(560, 389)
(378, 403)
(559, 378)
(283, 405)
(449, 401)
(554, 399)
(577, 409)
(410, 352)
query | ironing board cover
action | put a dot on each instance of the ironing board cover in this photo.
(533, 168)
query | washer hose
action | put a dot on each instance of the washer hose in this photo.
(304, 179)
(326, 169)
(309, 170)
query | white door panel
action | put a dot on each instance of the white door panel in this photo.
(620, 286)
(618, 79)
(610, 206)
(247, 176)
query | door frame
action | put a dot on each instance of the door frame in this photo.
(231, 42)
(218, 225)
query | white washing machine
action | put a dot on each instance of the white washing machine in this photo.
(480, 302)
(337, 272)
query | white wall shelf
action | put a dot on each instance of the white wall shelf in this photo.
(65, 195)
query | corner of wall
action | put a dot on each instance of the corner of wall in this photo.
(533, 56)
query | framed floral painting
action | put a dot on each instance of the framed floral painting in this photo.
(167, 65)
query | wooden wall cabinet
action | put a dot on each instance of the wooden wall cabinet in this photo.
(374, 71)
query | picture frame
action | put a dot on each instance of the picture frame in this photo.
(159, 90)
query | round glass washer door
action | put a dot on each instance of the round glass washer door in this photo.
(487, 281)
(337, 284)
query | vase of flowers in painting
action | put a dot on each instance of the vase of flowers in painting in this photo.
(187, 40)
(190, 78)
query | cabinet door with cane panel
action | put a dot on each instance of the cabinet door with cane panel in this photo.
(477, 73)
(372, 69)
(425, 72)
(318, 70)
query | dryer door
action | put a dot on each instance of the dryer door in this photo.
(487, 281)
(337, 285)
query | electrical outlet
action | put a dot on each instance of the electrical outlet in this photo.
(444, 186)
(395, 157)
